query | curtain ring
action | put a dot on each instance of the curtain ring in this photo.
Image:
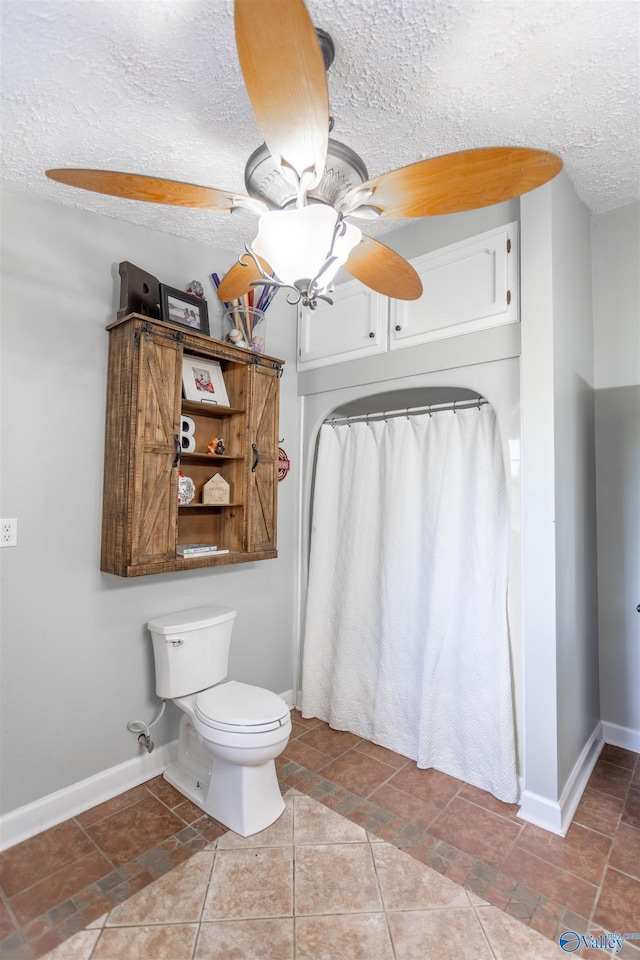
(407, 413)
(430, 414)
(384, 415)
(454, 406)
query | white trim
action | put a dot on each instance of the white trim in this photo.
(27, 821)
(35, 817)
(298, 597)
(624, 737)
(540, 811)
(287, 696)
(556, 815)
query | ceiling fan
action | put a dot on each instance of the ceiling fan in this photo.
(306, 187)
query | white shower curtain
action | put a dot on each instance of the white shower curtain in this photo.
(406, 639)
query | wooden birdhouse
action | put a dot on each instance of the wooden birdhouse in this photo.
(216, 490)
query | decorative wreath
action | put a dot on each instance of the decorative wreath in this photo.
(284, 464)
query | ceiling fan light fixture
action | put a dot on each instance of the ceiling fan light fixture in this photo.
(305, 247)
(303, 184)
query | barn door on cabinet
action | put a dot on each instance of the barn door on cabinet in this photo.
(263, 437)
(155, 499)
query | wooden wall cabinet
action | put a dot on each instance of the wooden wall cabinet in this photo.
(142, 522)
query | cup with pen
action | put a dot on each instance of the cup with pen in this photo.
(244, 319)
(245, 326)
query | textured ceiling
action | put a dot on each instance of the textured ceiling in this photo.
(154, 87)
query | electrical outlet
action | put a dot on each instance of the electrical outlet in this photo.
(9, 533)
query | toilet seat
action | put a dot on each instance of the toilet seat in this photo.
(241, 708)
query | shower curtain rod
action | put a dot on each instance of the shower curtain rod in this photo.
(408, 411)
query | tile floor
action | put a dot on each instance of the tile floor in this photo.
(63, 880)
(314, 886)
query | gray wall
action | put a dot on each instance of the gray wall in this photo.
(616, 289)
(76, 659)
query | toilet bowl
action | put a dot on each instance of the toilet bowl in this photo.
(230, 732)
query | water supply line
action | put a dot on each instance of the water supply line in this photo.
(142, 729)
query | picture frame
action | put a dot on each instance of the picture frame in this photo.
(203, 382)
(183, 309)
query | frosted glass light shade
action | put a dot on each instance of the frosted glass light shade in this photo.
(296, 243)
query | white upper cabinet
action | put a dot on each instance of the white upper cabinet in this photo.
(467, 286)
(355, 326)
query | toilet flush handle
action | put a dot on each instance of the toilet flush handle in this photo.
(175, 641)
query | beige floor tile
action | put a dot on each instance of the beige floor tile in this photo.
(512, 940)
(315, 823)
(452, 934)
(78, 947)
(242, 891)
(97, 923)
(246, 940)
(159, 942)
(279, 834)
(406, 884)
(247, 884)
(176, 897)
(476, 900)
(335, 878)
(358, 936)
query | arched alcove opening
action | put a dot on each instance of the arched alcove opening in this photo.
(495, 382)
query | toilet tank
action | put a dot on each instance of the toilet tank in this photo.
(191, 649)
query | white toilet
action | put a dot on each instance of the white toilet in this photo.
(230, 733)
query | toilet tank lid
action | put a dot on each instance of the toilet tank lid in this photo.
(191, 619)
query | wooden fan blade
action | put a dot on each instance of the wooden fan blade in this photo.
(284, 74)
(134, 186)
(237, 282)
(383, 270)
(460, 181)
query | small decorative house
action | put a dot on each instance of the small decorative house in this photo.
(216, 490)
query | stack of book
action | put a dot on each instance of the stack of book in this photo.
(197, 549)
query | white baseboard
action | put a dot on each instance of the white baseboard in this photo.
(618, 736)
(556, 815)
(35, 817)
(289, 698)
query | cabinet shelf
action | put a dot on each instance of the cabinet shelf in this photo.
(142, 522)
(209, 506)
(234, 556)
(209, 409)
(206, 457)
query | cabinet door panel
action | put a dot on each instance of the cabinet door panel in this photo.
(467, 286)
(263, 434)
(355, 326)
(155, 500)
